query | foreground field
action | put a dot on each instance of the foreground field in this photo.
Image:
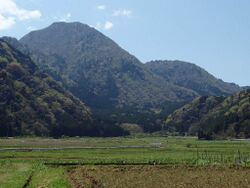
(123, 162)
(158, 176)
(121, 176)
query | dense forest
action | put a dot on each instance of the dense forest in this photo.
(33, 103)
(213, 117)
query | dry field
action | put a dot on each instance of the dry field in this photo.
(158, 176)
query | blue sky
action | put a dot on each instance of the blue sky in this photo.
(214, 34)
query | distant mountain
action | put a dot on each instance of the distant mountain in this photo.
(192, 77)
(113, 83)
(214, 117)
(245, 87)
(32, 103)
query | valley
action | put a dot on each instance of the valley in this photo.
(77, 110)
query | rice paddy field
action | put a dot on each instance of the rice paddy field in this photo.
(144, 161)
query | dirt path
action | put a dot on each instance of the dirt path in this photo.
(28, 181)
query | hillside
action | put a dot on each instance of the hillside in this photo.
(187, 118)
(214, 117)
(32, 103)
(112, 82)
(192, 77)
(246, 87)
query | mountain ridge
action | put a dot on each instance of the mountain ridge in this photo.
(189, 75)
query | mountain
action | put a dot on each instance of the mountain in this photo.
(112, 82)
(214, 117)
(187, 118)
(245, 87)
(32, 103)
(192, 77)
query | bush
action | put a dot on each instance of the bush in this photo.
(16, 70)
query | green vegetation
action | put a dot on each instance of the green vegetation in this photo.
(192, 77)
(88, 162)
(126, 97)
(187, 118)
(213, 117)
(141, 150)
(14, 174)
(32, 103)
(44, 176)
(117, 87)
(32, 175)
(114, 84)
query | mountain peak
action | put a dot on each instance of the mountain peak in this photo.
(70, 24)
(98, 71)
(64, 28)
(60, 37)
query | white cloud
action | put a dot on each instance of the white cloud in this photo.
(66, 18)
(108, 25)
(6, 22)
(105, 26)
(124, 12)
(101, 7)
(10, 13)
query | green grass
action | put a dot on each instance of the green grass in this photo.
(14, 174)
(44, 176)
(174, 150)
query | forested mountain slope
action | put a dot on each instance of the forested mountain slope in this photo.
(213, 117)
(33, 103)
(115, 84)
(192, 77)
